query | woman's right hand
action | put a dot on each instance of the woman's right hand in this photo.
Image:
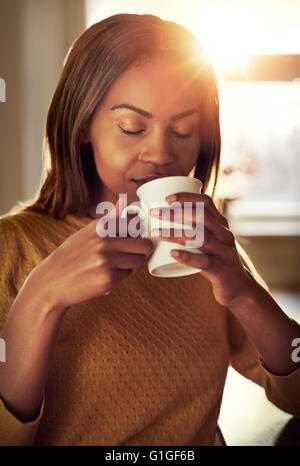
(86, 265)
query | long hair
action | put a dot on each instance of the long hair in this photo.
(96, 59)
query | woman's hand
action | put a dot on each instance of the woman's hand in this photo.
(87, 265)
(220, 262)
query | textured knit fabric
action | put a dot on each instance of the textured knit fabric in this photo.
(145, 365)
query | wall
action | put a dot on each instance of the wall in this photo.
(276, 258)
(35, 36)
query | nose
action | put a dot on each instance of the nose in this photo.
(157, 150)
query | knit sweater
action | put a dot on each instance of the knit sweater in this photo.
(144, 365)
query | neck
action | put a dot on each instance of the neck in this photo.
(99, 194)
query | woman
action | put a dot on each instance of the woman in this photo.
(98, 351)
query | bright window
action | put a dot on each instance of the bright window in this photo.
(260, 124)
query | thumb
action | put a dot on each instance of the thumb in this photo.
(119, 206)
(113, 215)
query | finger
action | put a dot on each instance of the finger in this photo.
(143, 246)
(108, 220)
(215, 247)
(120, 206)
(188, 216)
(121, 260)
(111, 224)
(219, 231)
(117, 276)
(177, 213)
(210, 206)
(199, 261)
(206, 243)
(207, 200)
(210, 267)
(178, 236)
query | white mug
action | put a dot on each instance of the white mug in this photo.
(152, 194)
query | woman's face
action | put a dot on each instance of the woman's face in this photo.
(147, 124)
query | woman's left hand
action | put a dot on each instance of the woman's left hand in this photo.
(220, 262)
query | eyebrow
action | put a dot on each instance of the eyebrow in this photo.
(149, 115)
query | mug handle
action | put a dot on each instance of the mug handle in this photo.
(134, 209)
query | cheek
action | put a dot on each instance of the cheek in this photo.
(189, 153)
(112, 161)
(195, 148)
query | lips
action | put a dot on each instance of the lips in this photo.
(141, 181)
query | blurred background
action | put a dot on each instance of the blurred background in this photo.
(255, 48)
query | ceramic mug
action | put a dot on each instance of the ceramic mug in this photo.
(152, 194)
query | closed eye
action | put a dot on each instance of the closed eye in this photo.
(135, 133)
(183, 136)
(132, 133)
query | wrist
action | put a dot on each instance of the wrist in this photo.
(248, 297)
(41, 295)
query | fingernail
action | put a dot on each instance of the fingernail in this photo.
(155, 232)
(155, 211)
(172, 198)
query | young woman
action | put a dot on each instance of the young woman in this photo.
(99, 352)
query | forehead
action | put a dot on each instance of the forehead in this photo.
(154, 84)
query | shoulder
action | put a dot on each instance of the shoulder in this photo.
(37, 227)
(12, 222)
(26, 238)
(17, 251)
(34, 235)
(9, 232)
(13, 262)
(17, 230)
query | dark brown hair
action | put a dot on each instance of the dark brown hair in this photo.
(96, 59)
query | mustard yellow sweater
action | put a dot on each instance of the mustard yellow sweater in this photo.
(145, 365)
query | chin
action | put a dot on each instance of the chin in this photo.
(132, 198)
(130, 191)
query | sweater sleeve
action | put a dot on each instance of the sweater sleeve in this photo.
(282, 390)
(12, 430)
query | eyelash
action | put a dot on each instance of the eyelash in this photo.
(136, 133)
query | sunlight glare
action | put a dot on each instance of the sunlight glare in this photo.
(226, 32)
